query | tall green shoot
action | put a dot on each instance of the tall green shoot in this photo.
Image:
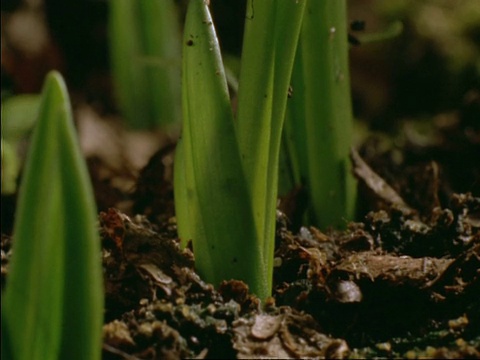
(319, 125)
(228, 169)
(145, 58)
(53, 302)
(270, 40)
(211, 192)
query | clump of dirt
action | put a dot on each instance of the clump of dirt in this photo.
(160, 308)
(403, 282)
(391, 286)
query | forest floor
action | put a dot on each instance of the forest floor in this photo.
(402, 281)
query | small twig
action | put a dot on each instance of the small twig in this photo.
(118, 352)
(375, 183)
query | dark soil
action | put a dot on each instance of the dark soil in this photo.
(401, 282)
(398, 284)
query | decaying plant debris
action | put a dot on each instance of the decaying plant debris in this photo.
(401, 283)
(393, 285)
(404, 282)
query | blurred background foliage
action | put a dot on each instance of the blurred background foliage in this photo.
(421, 77)
(433, 66)
(436, 61)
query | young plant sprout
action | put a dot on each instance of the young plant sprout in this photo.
(145, 58)
(318, 131)
(53, 301)
(226, 171)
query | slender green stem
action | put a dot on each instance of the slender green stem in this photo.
(230, 174)
(324, 105)
(214, 209)
(271, 35)
(145, 57)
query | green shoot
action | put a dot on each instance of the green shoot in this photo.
(319, 127)
(271, 35)
(53, 301)
(226, 176)
(145, 57)
(211, 193)
(18, 117)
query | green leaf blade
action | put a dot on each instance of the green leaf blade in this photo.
(223, 229)
(54, 295)
(130, 81)
(145, 58)
(270, 40)
(328, 112)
